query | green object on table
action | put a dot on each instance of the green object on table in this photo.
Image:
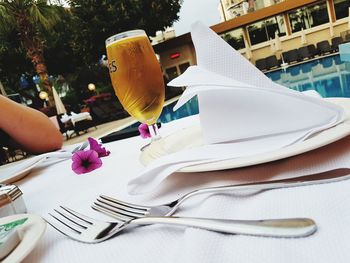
(9, 237)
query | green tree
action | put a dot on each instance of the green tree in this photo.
(73, 46)
(29, 18)
(96, 20)
(59, 56)
(13, 60)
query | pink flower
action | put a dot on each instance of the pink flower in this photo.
(94, 145)
(144, 131)
(85, 161)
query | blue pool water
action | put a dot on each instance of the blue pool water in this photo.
(329, 76)
(190, 108)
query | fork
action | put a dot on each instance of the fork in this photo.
(124, 210)
(85, 229)
(80, 147)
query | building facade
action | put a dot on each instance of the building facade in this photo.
(294, 22)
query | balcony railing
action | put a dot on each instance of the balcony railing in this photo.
(244, 7)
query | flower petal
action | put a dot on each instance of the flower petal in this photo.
(95, 165)
(80, 169)
(85, 161)
(78, 156)
(94, 145)
(144, 131)
(91, 155)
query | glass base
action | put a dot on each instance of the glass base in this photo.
(155, 136)
(153, 130)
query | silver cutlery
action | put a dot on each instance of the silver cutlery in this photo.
(124, 210)
(85, 229)
(80, 147)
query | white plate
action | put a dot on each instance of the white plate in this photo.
(191, 137)
(30, 233)
(13, 172)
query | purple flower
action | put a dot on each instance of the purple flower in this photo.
(85, 161)
(94, 145)
(144, 131)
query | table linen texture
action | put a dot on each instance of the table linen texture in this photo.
(328, 204)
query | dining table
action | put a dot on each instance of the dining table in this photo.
(49, 186)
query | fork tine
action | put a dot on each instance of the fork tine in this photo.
(84, 145)
(70, 218)
(80, 216)
(125, 204)
(63, 223)
(69, 234)
(117, 209)
(114, 211)
(68, 231)
(107, 212)
(72, 224)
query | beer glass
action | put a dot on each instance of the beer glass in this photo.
(136, 76)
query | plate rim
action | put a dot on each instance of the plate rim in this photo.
(35, 227)
(19, 174)
(341, 131)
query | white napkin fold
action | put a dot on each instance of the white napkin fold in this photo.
(233, 111)
(242, 112)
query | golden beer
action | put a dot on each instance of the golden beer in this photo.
(136, 75)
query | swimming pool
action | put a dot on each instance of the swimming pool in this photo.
(167, 115)
(328, 75)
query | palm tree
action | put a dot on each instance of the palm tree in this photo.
(29, 18)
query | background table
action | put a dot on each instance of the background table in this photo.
(328, 204)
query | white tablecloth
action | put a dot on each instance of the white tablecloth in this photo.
(328, 204)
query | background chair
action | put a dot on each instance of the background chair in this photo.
(64, 127)
(291, 56)
(304, 53)
(84, 126)
(312, 50)
(4, 158)
(324, 47)
(336, 41)
(271, 62)
(261, 64)
(11, 152)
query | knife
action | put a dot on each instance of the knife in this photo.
(330, 176)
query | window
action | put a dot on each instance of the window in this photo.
(309, 16)
(341, 8)
(266, 29)
(183, 67)
(234, 38)
(171, 73)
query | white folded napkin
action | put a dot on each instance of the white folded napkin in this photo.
(242, 112)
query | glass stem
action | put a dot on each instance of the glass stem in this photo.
(153, 129)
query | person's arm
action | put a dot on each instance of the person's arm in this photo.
(30, 128)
